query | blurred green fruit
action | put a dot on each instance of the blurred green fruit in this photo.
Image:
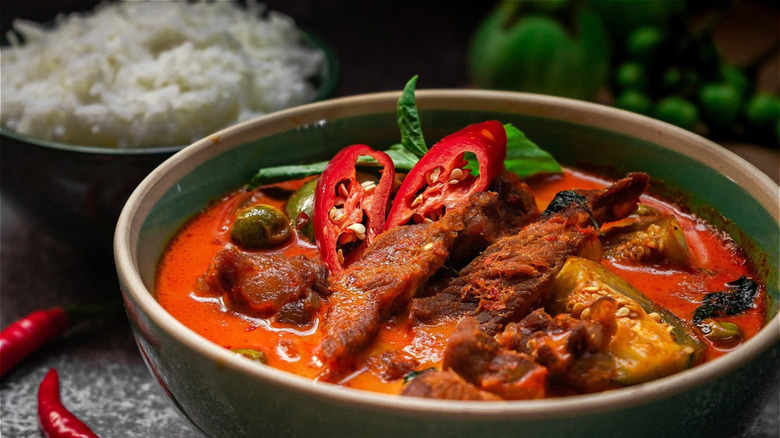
(736, 77)
(512, 50)
(677, 111)
(762, 110)
(721, 104)
(630, 76)
(644, 44)
(634, 101)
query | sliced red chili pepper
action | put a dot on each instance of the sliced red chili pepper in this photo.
(348, 215)
(55, 420)
(440, 180)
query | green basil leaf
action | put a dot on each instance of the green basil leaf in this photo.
(403, 159)
(524, 157)
(409, 121)
(270, 175)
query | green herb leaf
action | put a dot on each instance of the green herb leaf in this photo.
(739, 298)
(252, 354)
(409, 121)
(524, 157)
(270, 175)
(403, 159)
(412, 374)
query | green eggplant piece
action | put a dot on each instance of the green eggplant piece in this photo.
(649, 341)
(647, 239)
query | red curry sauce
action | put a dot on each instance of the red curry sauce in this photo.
(291, 348)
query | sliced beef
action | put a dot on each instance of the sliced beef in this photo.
(392, 364)
(301, 311)
(528, 359)
(507, 207)
(575, 352)
(445, 385)
(448, 303)
(261, 284)
(618, 200)
(512, 276)
(479, 359)
(393, 269)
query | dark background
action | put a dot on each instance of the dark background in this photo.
(380, 45)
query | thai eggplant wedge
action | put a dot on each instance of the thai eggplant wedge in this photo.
(649, 342)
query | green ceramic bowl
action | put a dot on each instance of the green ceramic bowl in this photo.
(222, 395)
(77, 192)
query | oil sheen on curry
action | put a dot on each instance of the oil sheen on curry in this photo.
(459, 278)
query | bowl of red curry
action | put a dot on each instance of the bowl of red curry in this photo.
(455, 263)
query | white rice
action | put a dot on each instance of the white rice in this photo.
(142, 73)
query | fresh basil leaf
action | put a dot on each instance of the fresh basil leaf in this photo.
(524, 157)
(403, 159)
(270, 175)
(409, 121)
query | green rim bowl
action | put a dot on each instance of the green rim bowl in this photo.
(221, 394)
(77, 192)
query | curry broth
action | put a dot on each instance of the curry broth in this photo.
(292, 348)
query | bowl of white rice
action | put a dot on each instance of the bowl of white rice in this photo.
(92, 102)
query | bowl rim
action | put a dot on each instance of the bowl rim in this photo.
(601, 116)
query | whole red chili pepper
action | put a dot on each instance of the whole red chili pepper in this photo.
(24, 336)
(347, 214)
(55, 420)
(440, 180)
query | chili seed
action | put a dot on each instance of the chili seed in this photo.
(456, 174)
(340, 253)
(343, 190)
(359, 230)
(417, 201)
(368, 186)
(434, 175)
(336, 215)
(622, 312)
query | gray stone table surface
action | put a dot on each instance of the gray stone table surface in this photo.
(103, 378)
